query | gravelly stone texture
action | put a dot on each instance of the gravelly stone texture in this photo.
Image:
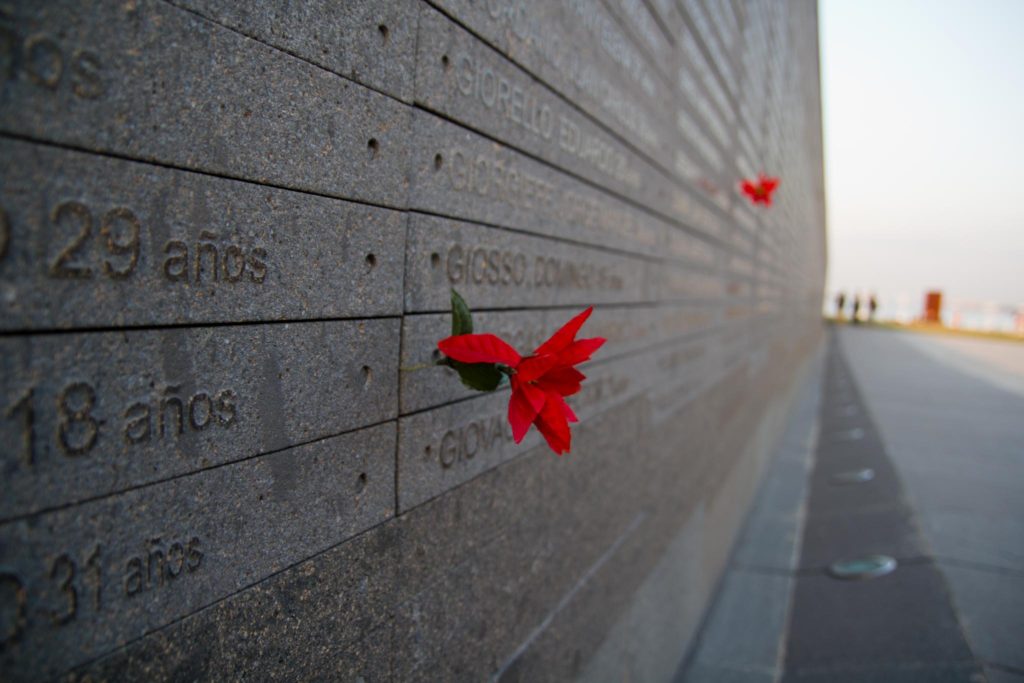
(141, 559)
(580, 50)
(369, 41)
(325, 618)
(170, 87)
(471, 82)
(460, 173)
(168, 247)
(115, 410)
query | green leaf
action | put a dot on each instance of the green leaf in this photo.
(462, 319)
(479, 376)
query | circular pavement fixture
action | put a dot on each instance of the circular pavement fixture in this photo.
(860, 568)
(855, 434)
(853, 476)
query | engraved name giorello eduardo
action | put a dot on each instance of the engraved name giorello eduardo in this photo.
(527, 108)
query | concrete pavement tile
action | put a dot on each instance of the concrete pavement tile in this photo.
(784, 488)
(1002, 676)
(962, 492)
(991, 607)
(744, 626)
(970, 456)
(976, 537)
(940, 672)
(710, 673)
(769, 540)
(771, 535)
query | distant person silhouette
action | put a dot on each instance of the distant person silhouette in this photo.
(840, 303)
(872, 307)
(856, 309)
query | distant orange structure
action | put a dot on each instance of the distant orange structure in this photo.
(933, 307)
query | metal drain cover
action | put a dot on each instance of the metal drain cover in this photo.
(860, 568)
(853, 476)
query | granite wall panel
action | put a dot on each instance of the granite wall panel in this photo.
(228, 237)
(368, 41)
(466, 80)
(581, 52)
(94, 413)
(97, 579)
(441, 447)
(101, 242)
(626, 329)
(170, 87)
(328, 617)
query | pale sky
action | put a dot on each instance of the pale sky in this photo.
(924, 145)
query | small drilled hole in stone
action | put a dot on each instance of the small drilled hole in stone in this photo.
(367, 375)
(445, 62)
(438, 161)
(371, 260)
(373, 146)
(383, 32)
(361, 482)
(435, 259)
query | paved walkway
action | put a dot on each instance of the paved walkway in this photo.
(951, 414)
(940, 421)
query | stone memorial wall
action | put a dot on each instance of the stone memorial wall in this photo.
(228, 232)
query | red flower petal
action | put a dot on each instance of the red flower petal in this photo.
(533, 394)
(521, 414)
(563, 337)
(479, 348)
(569, 414)
(580, 350)
(553, 425)
(563, 381)
(533, 367)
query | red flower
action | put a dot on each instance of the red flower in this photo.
(540, 382)
(761, 191)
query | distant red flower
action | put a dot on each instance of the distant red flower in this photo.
(540, 382)
(761, 191)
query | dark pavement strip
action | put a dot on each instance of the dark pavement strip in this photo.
(899, 627)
